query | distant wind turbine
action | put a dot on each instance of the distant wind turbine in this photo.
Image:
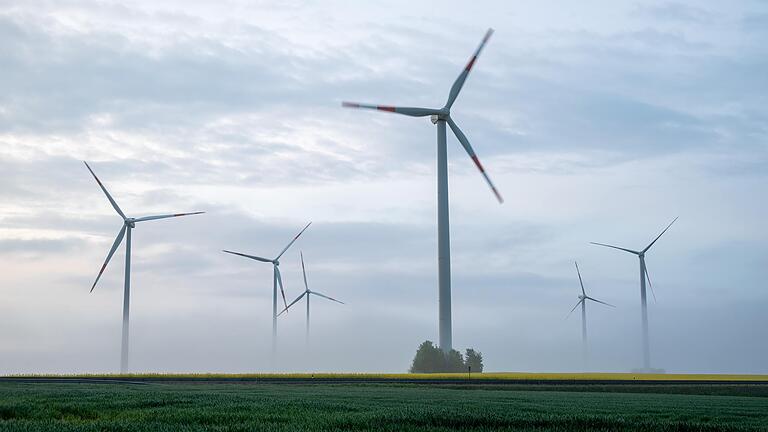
(125, 231)
(307, 292)
(441, 116)
(277, 280)
(583, 297)
(644, 306)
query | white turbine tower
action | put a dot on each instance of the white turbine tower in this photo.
(277, 280)
(125, 231)
(307, 292)
(644, 306)
(583, 297)
(441, 116)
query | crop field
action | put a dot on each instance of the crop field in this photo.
(78, 406)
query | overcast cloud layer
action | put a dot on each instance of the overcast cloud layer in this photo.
(598, 122)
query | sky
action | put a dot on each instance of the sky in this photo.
(597, 121)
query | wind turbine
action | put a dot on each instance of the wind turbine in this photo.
(128, 224)
(583, 297)
(644, 306)
(276, 280)
(307, 292)
(441, 116)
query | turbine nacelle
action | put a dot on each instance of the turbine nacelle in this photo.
(277, 279)
(128, 222)
(443, 114)
(641, 255)
(307, 291)
(583, 297)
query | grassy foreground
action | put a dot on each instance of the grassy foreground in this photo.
(386, 407)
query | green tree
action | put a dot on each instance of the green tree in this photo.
(474, 360)
(454, 362)
(428, 359)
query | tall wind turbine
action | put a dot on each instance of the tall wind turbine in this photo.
(644, 306)
(583, 297)
(277, 280)
(307, 292)
(441, 116)
(128, 224)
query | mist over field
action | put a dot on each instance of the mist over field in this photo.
(597, 121)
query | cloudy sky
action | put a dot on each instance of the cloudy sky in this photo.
(598, 122)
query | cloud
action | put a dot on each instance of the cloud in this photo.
(597, 123)
(39, 246)
(673, 11)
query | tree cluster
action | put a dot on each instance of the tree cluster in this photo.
(430, 359)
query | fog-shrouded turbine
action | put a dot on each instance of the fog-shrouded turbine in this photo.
(644, 306)
(583, 297)
(129, 223)
(307, 292)
(277, 280)
(441, 116)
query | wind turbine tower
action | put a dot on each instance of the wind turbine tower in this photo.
(583, 297)
(441, 117)
(129, 224)
(307, 292)
(643, 301)
(277, 280)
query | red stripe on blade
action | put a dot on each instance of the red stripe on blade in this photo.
(386, 108)
(471, 63)
(479, 165)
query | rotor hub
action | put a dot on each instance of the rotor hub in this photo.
(443, 115)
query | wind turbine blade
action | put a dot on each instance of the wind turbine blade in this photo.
(459, 83)
(659, 236)
(647, 276)
(115, 245)
(468, 148)
(280, 283)
(409, 111)
(149, 218)
(325, 296)
(580, 282)
(616, 247)
(304, 272)
(109, 197)
(596, 300)
(292, 241)
(574, 308)
(253, 257)
(293, 302)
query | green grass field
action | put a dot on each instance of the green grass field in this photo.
(387, 407)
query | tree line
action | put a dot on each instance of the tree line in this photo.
(431, 359)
